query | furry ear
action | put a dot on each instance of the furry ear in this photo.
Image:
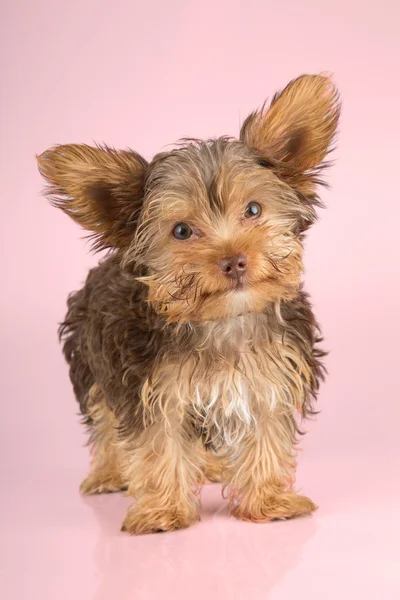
(98, 187)
(297, 129)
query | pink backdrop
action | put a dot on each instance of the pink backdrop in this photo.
(144, 75)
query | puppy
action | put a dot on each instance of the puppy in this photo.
(192, 346)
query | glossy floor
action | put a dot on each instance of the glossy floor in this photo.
(59, 546)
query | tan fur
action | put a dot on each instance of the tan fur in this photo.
(214, 467)
(103, 182)
(105, 473)
(273, 250)
(246, 381)
(166, 463)
(255, 433)
(261, 474)
(297, 128)
(164, 471)
(184, 371)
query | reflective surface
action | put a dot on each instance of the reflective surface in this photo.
(58, 545)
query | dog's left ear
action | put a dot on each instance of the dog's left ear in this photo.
(297, 129)
(98, 187)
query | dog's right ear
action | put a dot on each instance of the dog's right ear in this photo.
(99, 187)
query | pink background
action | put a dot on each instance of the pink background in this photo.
(143, 75)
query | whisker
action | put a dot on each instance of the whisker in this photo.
(284, 257)
(273, 263)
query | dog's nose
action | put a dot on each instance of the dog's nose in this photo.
(233, 266)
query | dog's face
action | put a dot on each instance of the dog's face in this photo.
(216, 226)
(218, 232)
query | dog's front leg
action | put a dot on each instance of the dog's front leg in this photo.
(260, 477)
(162, 469)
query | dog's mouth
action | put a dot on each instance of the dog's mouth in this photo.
(236, 286)
(195, 294)
(239, 284)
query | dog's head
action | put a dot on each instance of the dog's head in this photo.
(215, 226)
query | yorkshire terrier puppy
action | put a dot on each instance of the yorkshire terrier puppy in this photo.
(193, 349)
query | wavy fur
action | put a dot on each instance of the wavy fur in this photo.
(181, 372)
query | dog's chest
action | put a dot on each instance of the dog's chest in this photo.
(226, 395)
(237, 375)
(234, 381)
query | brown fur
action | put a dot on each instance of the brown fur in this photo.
(181, 374)
(106, 467)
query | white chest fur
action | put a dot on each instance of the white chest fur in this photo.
(240, 374)
(242, 386)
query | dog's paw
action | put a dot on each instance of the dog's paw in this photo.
(213, 473)
(213, 468)
(270, 507)
(97, 483)
(144, 518)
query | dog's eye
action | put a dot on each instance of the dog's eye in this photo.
(182, 231)
(253, 210)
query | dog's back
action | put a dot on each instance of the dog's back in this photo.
(72, 334)
(108, 336)
(82, 329)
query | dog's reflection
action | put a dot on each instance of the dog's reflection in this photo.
(219, 557)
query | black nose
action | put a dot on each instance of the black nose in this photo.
(233, 266)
